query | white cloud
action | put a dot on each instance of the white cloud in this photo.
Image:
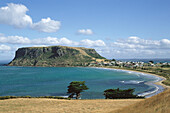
(126, 48)
(135, 47)
(132, 47)
(47, 25)
(1, 34)
(15, 15)
(46, 41)
(4, 48)
(14, 40)
(165, 41)
(136, 42)
(133, 39)
(39, 46)
(19, 40)
(85, 31)
(66, 41)
(52, 41)
(91, 43)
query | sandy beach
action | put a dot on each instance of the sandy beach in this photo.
(159, 82)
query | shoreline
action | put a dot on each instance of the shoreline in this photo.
(160, 87)
(155, 84)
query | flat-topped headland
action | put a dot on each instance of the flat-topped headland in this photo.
(55, 56)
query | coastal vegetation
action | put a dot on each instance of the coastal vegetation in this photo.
(76, 87)
(120, 94)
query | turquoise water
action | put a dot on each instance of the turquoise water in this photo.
(53, 81)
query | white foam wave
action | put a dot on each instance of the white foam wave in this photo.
(132, 82)
(64, 96)
(149, 92)
(68, 96)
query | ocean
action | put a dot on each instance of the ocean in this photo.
(53, 81)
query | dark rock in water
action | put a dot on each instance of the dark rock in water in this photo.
(54, 56)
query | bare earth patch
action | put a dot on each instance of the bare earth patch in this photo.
(63, 106)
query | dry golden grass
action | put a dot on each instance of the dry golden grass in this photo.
(156, 104)
(100, 60)
(81, 51)
(63, 106)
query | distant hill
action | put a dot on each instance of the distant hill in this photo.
(4, 62)
(54, 56)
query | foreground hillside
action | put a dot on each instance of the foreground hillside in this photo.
(54, 56)
(156, 104)
(62, 106)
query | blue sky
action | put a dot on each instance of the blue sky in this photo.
(115, 28)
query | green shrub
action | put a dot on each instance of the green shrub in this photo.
(120, 94)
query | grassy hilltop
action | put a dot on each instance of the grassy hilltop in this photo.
(54, 56)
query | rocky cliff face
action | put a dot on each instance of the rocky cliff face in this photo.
(54, 56)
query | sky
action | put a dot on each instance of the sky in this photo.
(119, 29)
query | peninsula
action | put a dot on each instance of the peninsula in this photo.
(55, 56)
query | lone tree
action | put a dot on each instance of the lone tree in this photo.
(151, 61)
(76, 87)
(113, 59)
(120, 94)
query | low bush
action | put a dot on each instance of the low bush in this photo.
(120, 94)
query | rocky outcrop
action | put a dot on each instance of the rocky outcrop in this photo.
(54, 56)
